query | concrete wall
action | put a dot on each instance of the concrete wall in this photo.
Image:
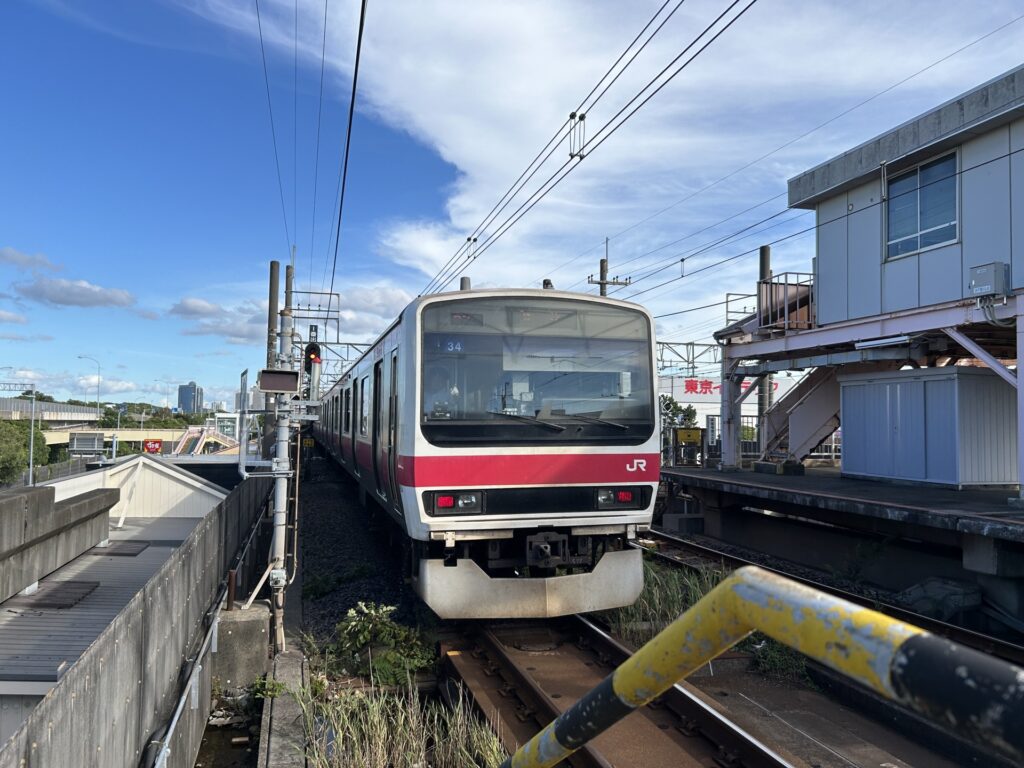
(854, 279)
(120, 694)
(38, 535)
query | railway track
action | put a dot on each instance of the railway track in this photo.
(521, 676)
(689, 554)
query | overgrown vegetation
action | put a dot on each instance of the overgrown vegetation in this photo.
(668, 592)
(371, 644)
(266, 688)
(387, 729)
(14, 439)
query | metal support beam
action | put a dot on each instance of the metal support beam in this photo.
(988, 359)
(754, 387)
(1018, 500)
(731, 385)
(906, 322)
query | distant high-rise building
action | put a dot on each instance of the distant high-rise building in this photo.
(190, 398)
(255, 400)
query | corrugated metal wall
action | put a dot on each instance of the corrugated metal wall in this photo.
(953, 426)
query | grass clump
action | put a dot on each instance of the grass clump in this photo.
(667, 593)
(374, 728)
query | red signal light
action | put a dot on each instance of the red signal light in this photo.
(624, 497)
(445, 502)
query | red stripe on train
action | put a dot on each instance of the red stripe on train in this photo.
(543, 469)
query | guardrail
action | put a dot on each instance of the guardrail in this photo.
(974, 695)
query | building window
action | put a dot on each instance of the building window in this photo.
(921, 207)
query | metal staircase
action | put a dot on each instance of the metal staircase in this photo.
(803, 417)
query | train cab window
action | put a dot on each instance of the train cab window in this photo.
(535, 370)
(363, 410)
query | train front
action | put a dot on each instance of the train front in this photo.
(536, 456)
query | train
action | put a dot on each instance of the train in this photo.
(513, 437)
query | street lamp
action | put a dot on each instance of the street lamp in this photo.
(166, 384)
(86, 357)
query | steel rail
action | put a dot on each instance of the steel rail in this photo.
(516, 690)
(737, 746)
(993, 646)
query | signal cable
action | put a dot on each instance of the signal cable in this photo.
(273, 133)
(566, 168)
(523, 179)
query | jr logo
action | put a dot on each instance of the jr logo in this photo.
(638, 465)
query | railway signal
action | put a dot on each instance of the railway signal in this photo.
(311, 356)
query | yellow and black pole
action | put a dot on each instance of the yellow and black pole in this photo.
(975, 695)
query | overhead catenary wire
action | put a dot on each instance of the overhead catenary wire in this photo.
(609, 128)
(295, 133)
(348, 146)
(556, 140)
(816, 128)
(816, 226)
(316, 161)
(273, 132)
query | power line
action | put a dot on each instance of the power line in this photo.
(295, 133)
(556, 140)
(802, 136)
(566, 168)
(348, 146)
(818, 225)
(316, 161)
(273, 133)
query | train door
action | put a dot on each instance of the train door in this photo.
(355, 426)
(392, 446)
(378, 426)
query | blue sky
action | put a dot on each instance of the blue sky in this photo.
(140, 203)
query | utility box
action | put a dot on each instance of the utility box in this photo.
(954, 426)
(989, 280)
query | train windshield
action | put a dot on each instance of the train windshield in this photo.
(535, 371)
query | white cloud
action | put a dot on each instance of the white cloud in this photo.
(73, 293)
(12, 317)
(243, 324)
(23, 260)
(25, 337)
(191, 307)
(484, 85)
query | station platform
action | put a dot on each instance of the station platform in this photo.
(824, 494)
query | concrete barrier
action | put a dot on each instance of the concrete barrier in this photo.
(38, 536)
(114, 703)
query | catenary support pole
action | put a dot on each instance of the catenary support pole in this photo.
(764, 388)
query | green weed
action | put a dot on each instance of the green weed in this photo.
(380, 729)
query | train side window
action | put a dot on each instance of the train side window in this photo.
(348, 411)
(363, 413)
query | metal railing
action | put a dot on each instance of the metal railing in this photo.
(785, 302)
(974, 695)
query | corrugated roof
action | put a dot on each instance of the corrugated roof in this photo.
(37, 646)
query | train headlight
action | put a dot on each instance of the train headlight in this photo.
(458, 502)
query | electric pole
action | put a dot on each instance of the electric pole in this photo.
(603, 281)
